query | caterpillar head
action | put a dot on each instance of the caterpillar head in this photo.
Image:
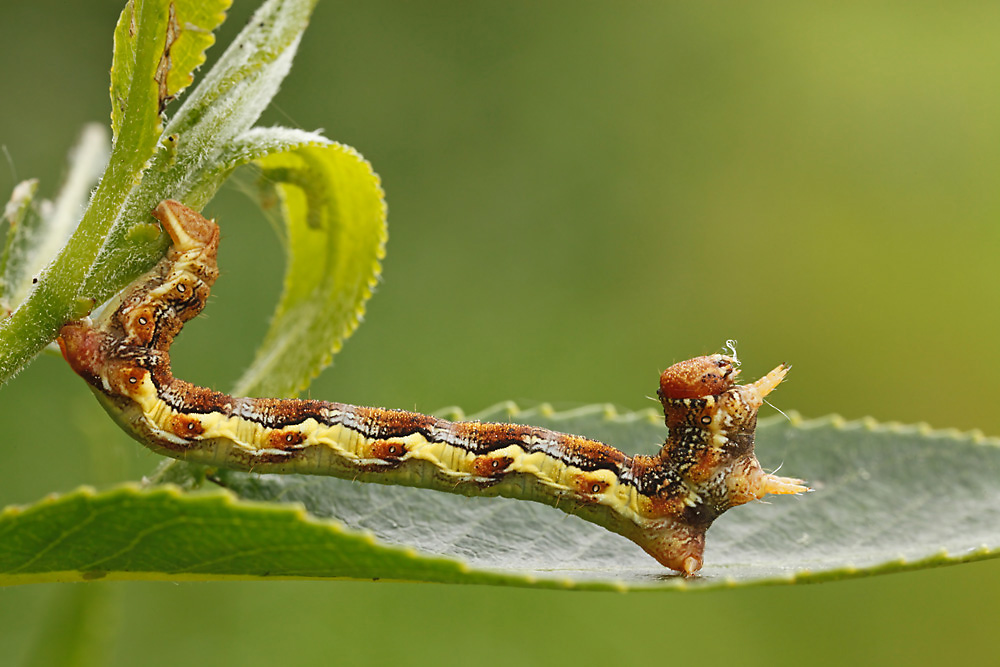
(699, 377)
(83, 348)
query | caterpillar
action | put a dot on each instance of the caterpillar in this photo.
(664, 503)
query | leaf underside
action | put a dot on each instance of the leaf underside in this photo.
(887, 498)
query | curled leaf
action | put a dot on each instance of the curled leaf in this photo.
(335, 214)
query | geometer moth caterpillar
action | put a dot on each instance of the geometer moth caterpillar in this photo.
(664, 503)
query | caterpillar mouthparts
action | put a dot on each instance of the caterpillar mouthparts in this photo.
(664, 503)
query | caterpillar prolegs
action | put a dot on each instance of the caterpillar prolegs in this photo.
(664, 503)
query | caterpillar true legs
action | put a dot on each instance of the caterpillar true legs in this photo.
(664, 503)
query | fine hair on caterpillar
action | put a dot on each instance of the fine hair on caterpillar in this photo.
(664, 503)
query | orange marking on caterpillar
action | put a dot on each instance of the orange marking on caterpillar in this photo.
(388, 451)
(491, 466)
(186, 426)
(285, 439)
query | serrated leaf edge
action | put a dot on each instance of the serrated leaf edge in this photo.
(872, 425)
(376, 270)
(610, 413)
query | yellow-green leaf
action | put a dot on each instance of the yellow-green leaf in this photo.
(140, 42)
(195, 20)
(158, 45)
(333, 205)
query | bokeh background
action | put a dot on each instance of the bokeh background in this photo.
(580, 194)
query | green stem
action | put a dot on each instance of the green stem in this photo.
(56, 298)
(54, 301)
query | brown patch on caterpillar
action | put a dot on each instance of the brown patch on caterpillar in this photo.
(706, 464)
(189, 230)
(491, 466)
(281, 413)
(187, 297)
(698, 377)
(589, 454)
(662, 491)
(382, 424)
(485, 437)
(285, 439)
(140, 323)
(185, 397)
(666, 505)
(186, 426)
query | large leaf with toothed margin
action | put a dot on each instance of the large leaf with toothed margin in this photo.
(887, 498)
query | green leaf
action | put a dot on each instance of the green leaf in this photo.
(153, 65)
(133, 533)
(334, 210)
(24, 234)
(144, 36)
(255, 143)
(39, 230)
(195, 21)
(195, 145)
(887, 498)
(241, 84)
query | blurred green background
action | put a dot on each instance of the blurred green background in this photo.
(580, 194)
